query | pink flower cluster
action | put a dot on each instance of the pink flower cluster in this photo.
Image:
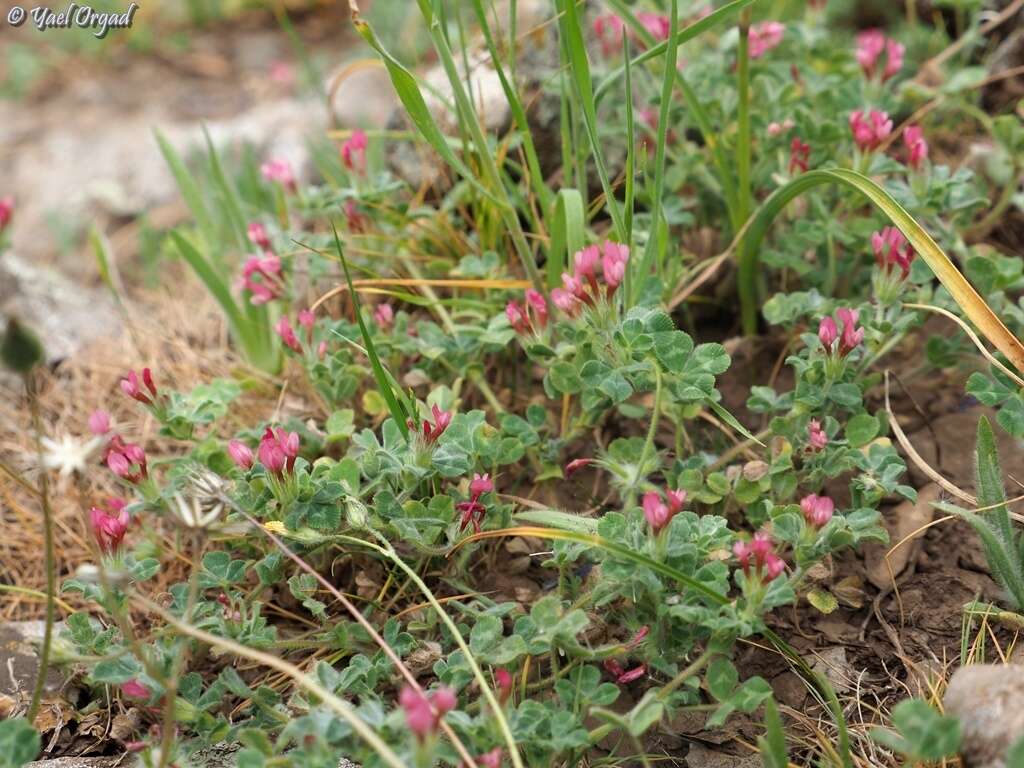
(279, 171)
(432, 431)
(109, 524)
(892, 250)
(473, 511)
(799, 156)
(504, 683)
(241, 454)
(917, 147)
(582, 287)
(609, 29)
(763, 37)
(423, 715)
(278, 450)
(622, 675)
(130, 386)
(817, 510)
(659, 514)
(519, 315)
(133, 689)
(384, 316)
(353, 152)
(816, 437)
(6, 211)
(870, 130)
(306, 321)
(871, 44)
(261, 276)
(127, 460)
(851, 337)
(759, 555)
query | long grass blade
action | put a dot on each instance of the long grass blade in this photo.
(567, 233)
(396, 406)
(970, 302)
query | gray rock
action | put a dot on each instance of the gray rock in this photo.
(19, 660)
(64, 314)
(989, 700)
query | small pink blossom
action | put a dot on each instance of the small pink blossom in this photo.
(827, 333)
(307, 319)
(759, 556)
(241, 454)
(481, 484)
(504, 683)
(384, 316)
(586, 262)
(518, 318)
(658, 25)
(893, 59)
(869, 131)
(575, 466)
(609, 29)
(279, 171)
(109, 524)
(536, 303)
(775, 129)
(278, 450)
(133, 689)
(261, 276)
(127, 460)
(353, 152)
(799, 156)
(816, 437)
(656, 512)
(817, 510)
(354, 218)
(565, 301)
(765, 36)
(623, 676)
(321, 350)
(287, 333)
(130, 386)
(491, 759)
(917, 147)
(870, 45)
(852, 336)
(258, 236)
(423, 715)
(613, 264)
(432, 431)
(892, 250)
(281, 72)
(6, 211)
(99, 422)
(676, 500)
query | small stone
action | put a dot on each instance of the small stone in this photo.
(989, 700)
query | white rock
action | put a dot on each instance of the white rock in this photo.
(989, 700)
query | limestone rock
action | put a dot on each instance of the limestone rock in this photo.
(989, 700)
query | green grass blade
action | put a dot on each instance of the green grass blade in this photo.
(991, 492)
(105, 264)
(408, 93)
(540, 189)
(213, 282)
(655, 50)
(228, 194)
(773, 744)
(571, 34)
(1000, 561)
(653, 240)
(189, 190)
(567, 233)
(972, 305)
(397, 407)
(690, 99)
